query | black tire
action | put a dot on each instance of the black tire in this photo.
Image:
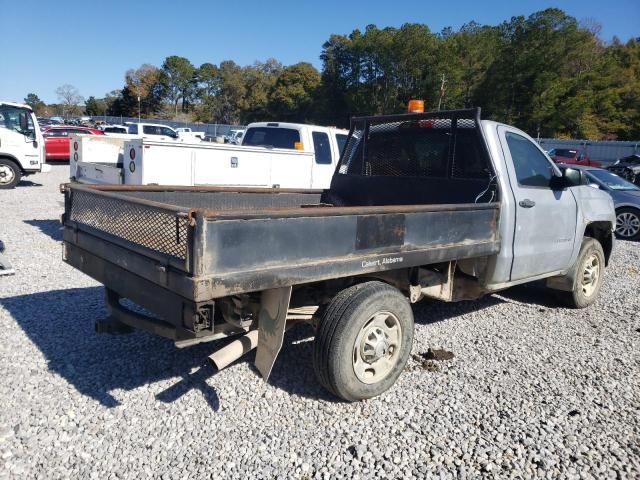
(628, 223)
(10, 174)
(585, 293)
(346, 327)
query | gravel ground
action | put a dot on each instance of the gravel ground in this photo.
(532, 389)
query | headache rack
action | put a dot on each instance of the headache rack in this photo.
(424, 158)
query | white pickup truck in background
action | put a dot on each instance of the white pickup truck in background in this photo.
(188, 135)
(288, 155)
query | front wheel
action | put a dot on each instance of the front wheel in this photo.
(588, 275)
(9, 173)
(628, 223)
(363, 341)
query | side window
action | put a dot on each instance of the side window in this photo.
(150, 130)
(322, 148)
(341, 139)
(532, 167)
(168, 132)
(133, 129)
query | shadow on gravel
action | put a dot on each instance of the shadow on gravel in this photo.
(61, 325)
(533, 294)
(427, 311)
(51, 228)
(28, 183)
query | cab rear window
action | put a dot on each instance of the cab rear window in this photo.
(274, 137)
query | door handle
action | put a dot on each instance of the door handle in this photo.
(526, 203)
(234, 162)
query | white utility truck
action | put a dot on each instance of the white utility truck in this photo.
(285, 155)
(21, 144)
(98, 155)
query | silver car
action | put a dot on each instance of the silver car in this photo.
(626, 199)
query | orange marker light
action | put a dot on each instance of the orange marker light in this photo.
(416, 106)
(298, 146)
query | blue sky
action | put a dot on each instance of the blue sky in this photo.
(91, 44)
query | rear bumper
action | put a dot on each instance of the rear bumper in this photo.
(176, 317)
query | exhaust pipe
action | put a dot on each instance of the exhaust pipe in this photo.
(232, 352)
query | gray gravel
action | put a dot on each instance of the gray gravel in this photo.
(533, 389)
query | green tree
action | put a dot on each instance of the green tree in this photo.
(179, 80)
(259, 79)
(146, 83)
(35, 103)
(294, 92)
(94, 106)
(230, 100)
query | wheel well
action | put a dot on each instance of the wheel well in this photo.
(14, 160)
(601, 231)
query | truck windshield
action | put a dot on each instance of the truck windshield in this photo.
(271, 137)
(10, 119)
(614, 182)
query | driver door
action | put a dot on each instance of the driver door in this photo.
(545, 218)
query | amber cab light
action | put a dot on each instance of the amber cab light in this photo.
(298, 146)
(416, 106)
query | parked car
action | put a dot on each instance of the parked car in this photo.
(56, 140)
(626, 200)
(572, 156)
(627, 168)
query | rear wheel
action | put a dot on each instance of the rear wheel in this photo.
(363, 341)
(628, 223)
(9, 173)
(588, 276)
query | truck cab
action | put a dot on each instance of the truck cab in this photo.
(21, 144)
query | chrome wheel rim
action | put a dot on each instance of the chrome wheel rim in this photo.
(590, 275)
(627, 224)
(377, 347)
(6, 174)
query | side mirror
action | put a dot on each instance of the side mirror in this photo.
(571, 177)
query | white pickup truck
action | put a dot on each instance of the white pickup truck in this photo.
(285, 155)
(188, 135)
(21, 144)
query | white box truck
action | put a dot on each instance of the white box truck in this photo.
(21, 144)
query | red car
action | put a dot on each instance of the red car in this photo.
(574, 156)
(56, 140)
